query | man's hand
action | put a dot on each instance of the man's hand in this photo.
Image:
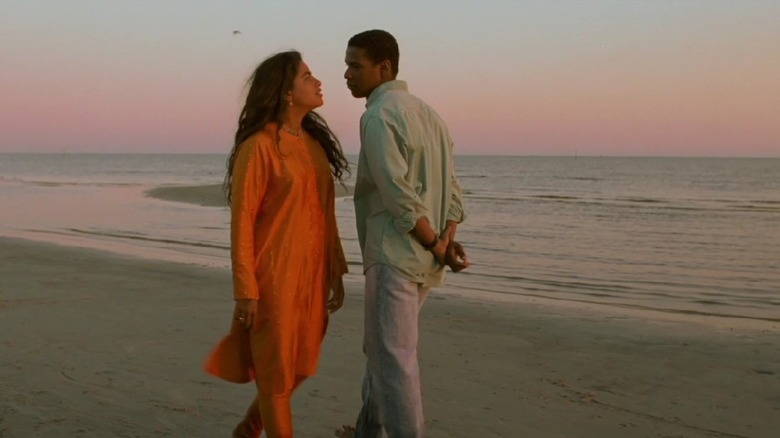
(245, 312)
(455, 257)
(336, 299)
(440, 250)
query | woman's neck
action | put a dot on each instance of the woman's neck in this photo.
(293, 119)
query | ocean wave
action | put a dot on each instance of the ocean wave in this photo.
(49, 183)
(580, 178)
(634, 202)
(535, 293)
(143, 238)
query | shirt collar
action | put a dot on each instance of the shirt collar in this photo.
(384, 88)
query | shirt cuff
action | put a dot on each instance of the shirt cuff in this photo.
(245, 286)
(456, 214)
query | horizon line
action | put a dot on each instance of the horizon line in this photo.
(573, 156)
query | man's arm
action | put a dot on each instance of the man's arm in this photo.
(457, 212)
(455, 256)
(426, 235)
(385, 155)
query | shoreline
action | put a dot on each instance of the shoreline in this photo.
(210, 195)
(112, 345)
(646, 315)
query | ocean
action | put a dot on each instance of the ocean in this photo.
(671, 235)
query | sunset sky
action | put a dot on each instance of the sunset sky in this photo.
(691, 78)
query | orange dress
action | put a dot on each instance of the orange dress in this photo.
(286, 253)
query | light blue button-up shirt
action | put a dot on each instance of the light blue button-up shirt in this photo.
(405, 171)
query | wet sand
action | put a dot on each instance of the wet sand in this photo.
(210, 195)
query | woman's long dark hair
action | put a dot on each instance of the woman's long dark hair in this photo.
(265, 103)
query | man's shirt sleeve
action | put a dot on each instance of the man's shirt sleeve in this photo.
(385, 152)
(456, 211)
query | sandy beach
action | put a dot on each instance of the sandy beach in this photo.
(98, 344)
(101, 345)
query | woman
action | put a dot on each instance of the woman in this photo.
(285, 249)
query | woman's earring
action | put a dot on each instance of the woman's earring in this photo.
(290, 102)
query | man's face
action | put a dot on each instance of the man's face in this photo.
(362, 74)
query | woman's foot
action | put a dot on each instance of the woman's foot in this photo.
(248, 429)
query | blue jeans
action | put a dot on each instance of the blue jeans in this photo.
(391, 383)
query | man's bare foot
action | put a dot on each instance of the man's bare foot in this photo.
(345, 432)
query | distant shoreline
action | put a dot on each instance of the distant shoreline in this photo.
(209, 195)
(458, 154)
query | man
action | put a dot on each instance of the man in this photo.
(408, 206)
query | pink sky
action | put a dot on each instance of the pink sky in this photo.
(595, 78)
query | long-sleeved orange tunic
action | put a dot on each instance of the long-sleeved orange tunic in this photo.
(286, 252)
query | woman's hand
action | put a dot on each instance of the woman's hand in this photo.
(246, 312)
(336, 299)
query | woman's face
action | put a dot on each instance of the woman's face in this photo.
(307, 90)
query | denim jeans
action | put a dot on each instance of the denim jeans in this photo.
(391, 383)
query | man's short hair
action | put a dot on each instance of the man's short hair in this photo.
(379, 45)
